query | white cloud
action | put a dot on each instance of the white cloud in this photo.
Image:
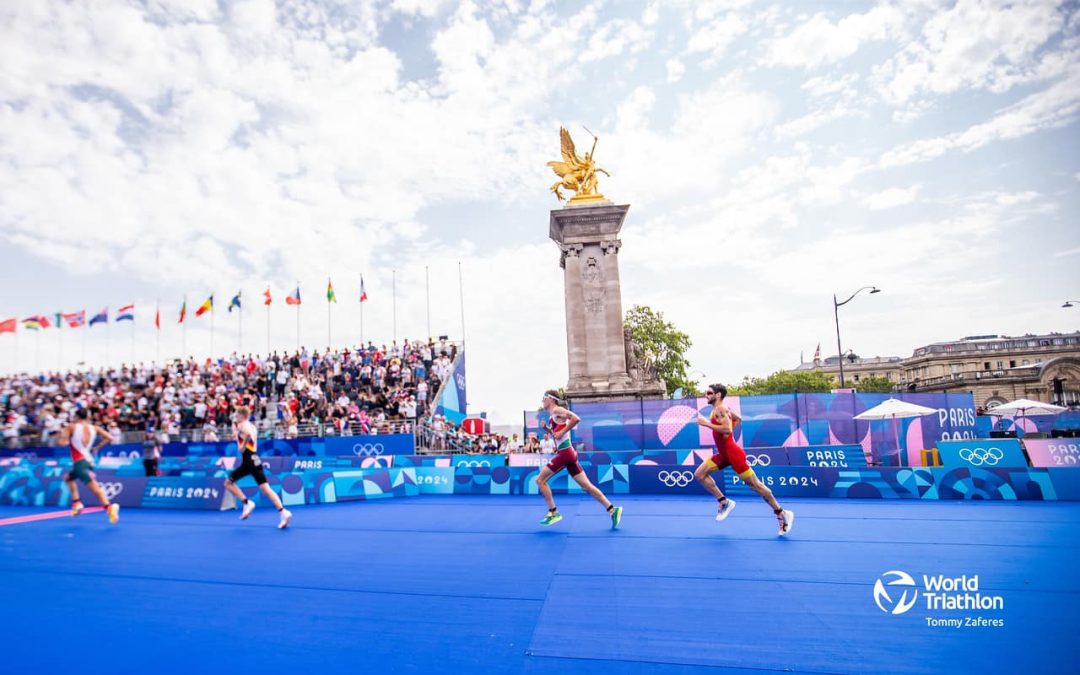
(715, 36)
(979, 44)
(616, 38)
(675, 70)
(891, 198)
(820, 41)
(1053, 107)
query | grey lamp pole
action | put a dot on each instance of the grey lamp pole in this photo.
(1069, 303)
(836, 316)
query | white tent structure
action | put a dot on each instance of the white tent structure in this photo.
(1024, 407)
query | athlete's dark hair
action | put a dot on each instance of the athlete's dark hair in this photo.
(81, 414)
(719, 389)
(554, 394)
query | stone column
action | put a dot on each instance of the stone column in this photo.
(588, 239)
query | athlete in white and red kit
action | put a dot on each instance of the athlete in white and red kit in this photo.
(80, 437)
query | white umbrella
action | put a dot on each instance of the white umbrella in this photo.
(894, 409)
(1025, 407)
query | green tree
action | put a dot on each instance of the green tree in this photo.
(785, 382)
(665, 344)
(875, 384)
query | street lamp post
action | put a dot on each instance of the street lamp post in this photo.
(1069, 303)
(836, 316)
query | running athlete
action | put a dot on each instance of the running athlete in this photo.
(79, 437)
(251, 465)
(728, 453)
(560, 422)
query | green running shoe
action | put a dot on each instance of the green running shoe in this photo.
(551, 518)
(616, 517)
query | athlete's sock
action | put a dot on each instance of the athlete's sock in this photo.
(610, 508)
(553, 509)
(722, 499)
(778, 511)
(76, 501)
(281, 508)
(246, 500)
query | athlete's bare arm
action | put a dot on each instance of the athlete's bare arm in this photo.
(726, 419)
(104, 438)
(65, 434)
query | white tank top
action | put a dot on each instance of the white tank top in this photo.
(82, 440)
(246, 437)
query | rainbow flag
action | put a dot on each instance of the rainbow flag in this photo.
(36, 322)
(330, 295)
(75, 319)
(126, 313)
(207, 306)
(100, 317)
(294, 297)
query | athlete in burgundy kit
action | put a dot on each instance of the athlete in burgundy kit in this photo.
(560, 422)
(728, 453)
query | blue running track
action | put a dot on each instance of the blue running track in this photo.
(464, 584)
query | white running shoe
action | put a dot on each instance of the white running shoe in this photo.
(286, 516)
(724, 510)
(248, 508)
(786, 519)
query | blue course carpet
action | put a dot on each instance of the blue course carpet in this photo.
(474, 584)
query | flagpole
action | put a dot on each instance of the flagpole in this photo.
(298, 320)
(157, 329)
(85, 329)
(60, 339)
(37, 350)
(329, 335)
(268, 330)
(133, 341)
(106, 339)
(361, 310)
(212, 327)
(427, 294)
(240, 318)
(395, 303)
(461, 296)
(184, 355)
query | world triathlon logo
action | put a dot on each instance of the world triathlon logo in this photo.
(895, 592)
(982, 456)
(676, 478)
(368, 449)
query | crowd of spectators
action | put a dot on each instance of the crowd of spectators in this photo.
(368, 389)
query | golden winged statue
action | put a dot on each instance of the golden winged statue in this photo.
(576, 173)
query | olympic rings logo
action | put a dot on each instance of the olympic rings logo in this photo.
(470, 463)
(758, 460)
(676, 478)
(112, 489)
(981, 456)
(368, 449)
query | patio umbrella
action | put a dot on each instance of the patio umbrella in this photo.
(894, 409)
(1025, 407)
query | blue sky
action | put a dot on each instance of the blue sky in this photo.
(772, 154)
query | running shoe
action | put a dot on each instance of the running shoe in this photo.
(286, 516)
(248, 508)
(551, 518)
(724, 510)
(616, 517)
(786, 519)
(114, 512)
(77, 508)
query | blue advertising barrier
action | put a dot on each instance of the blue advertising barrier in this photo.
(982, 453)
(185, 493)
(846, 456)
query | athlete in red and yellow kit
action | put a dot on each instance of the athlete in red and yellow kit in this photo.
(728, 453)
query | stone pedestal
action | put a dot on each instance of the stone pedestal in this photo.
(588, 239)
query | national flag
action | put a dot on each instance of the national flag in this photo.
(183, 311)
(157, 318)
(126, 313)
(7, 326)
(330, 295)
(294, 297)
(207, 306)
(100, 317)
(363, 291)
(266, 294)
(235, 302)
(817, 352)
(75, 319)
(58, 319)
(36, 322)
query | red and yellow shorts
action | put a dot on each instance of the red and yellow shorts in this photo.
(728, 453)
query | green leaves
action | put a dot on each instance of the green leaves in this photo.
(665, 344)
